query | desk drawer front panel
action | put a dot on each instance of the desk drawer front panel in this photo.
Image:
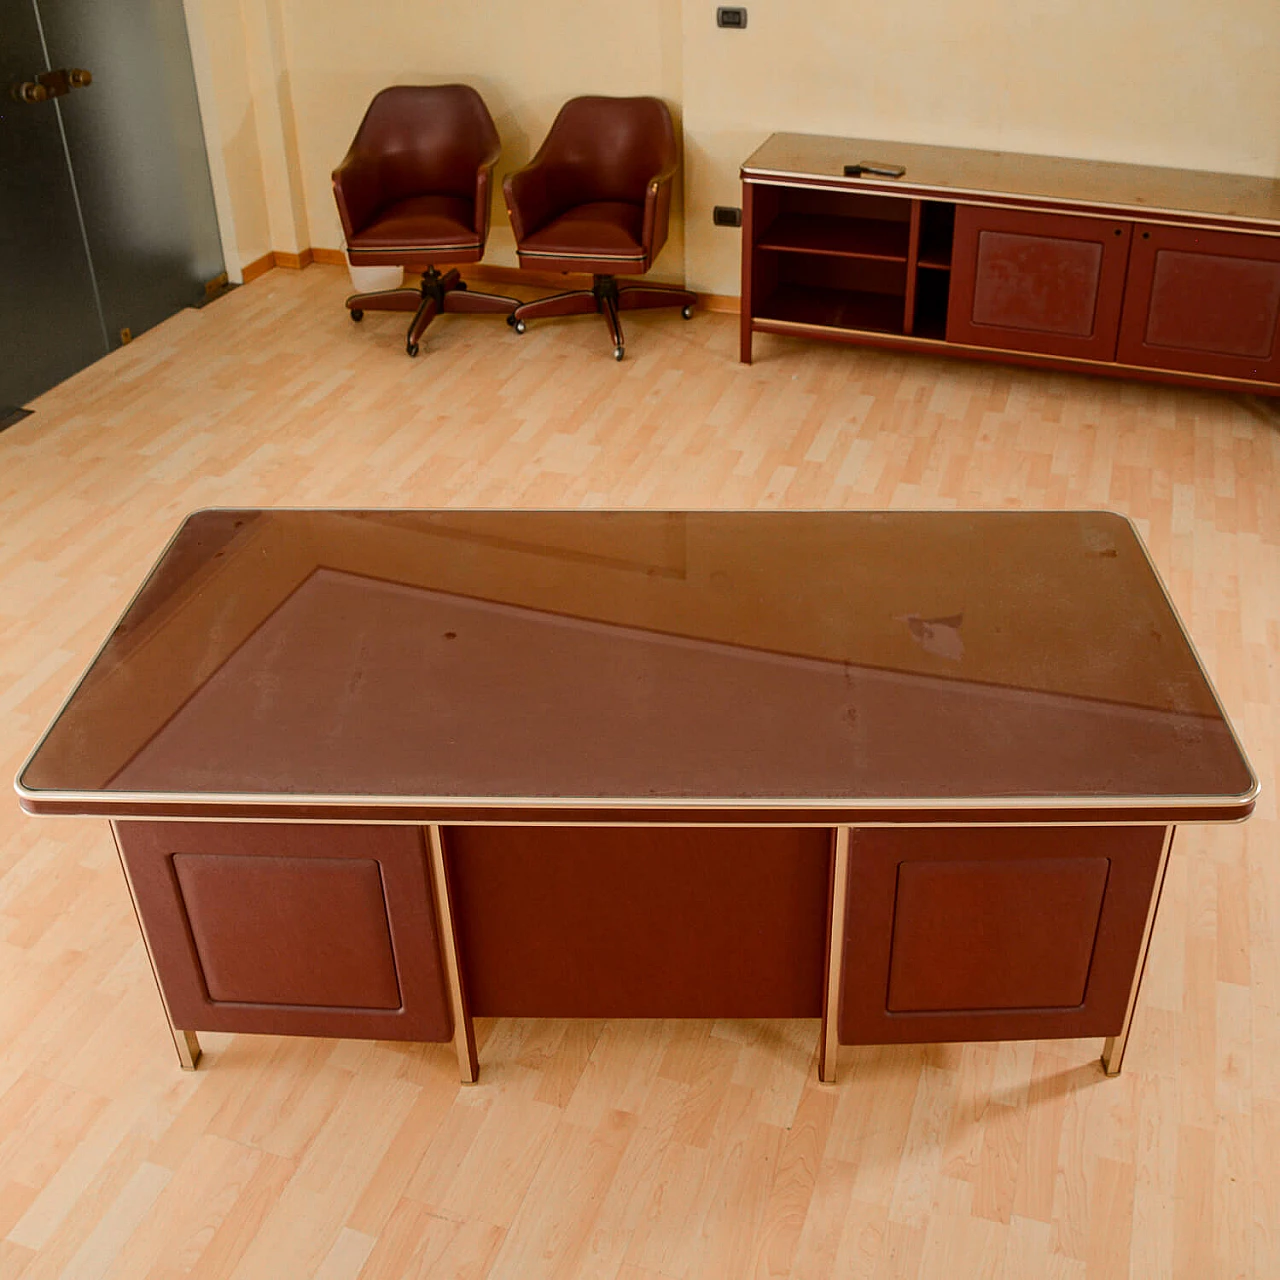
(290, 929)
(983, 934)
(287, 930)
(1017, 935)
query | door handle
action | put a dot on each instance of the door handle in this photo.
(53, 84)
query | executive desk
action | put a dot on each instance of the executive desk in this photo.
(374, 773)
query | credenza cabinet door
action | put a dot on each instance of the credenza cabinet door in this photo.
(1203, 301)
(1040, 282)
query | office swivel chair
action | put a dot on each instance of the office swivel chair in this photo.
(596, 198)
(413, 192)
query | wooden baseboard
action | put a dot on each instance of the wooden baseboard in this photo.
(291, 261)
(729, 303)
(258, 267)
(480, 272)
(488, 273)
(485, 273)
(295, 261)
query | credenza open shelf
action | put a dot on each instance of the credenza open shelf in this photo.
(1106, 268)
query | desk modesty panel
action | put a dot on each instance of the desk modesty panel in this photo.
(646, 764)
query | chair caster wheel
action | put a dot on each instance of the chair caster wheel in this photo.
(687, 312)
(411, 348)
(517, 325)
(356, 314)
(618, 352)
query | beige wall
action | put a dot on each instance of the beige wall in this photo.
(1188, 83)
(226, 103)
(270, 75)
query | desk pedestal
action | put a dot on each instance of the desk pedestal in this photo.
(889, 934)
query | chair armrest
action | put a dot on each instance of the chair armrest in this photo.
(357, 187)
(484, 180)
(657, 211)
(534, 196)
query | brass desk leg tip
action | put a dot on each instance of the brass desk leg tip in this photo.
(188, 1048)
(468, 1062)
(1112, 1056)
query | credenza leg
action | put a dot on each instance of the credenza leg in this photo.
(835, 958)
(464, 1036)
(1114, 1047)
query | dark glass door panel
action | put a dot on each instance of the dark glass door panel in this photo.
(137, 150)
(49, 320)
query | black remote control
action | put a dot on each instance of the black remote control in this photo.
(874, 167)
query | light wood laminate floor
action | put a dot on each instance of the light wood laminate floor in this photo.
(634, 1151)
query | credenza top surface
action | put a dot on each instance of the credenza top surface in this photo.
(645, 658)
(957, 172)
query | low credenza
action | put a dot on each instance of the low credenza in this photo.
(1114, 269)
(912, 774)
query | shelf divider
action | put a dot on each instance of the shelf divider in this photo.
(913, 258)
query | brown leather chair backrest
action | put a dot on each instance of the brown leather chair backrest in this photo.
(422, 140)
(608, 148)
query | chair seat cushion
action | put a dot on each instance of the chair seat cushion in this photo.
(423, 222)
(605, 229)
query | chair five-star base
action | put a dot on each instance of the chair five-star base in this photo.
(435, 294)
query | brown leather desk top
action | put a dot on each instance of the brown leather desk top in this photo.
(759, 667)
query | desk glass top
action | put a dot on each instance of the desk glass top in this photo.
(647, 657)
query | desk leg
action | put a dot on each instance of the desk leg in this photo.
(464, 1036)
(835, 958)
(188, 1048)
(1113, 1049)
(184, 1042)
